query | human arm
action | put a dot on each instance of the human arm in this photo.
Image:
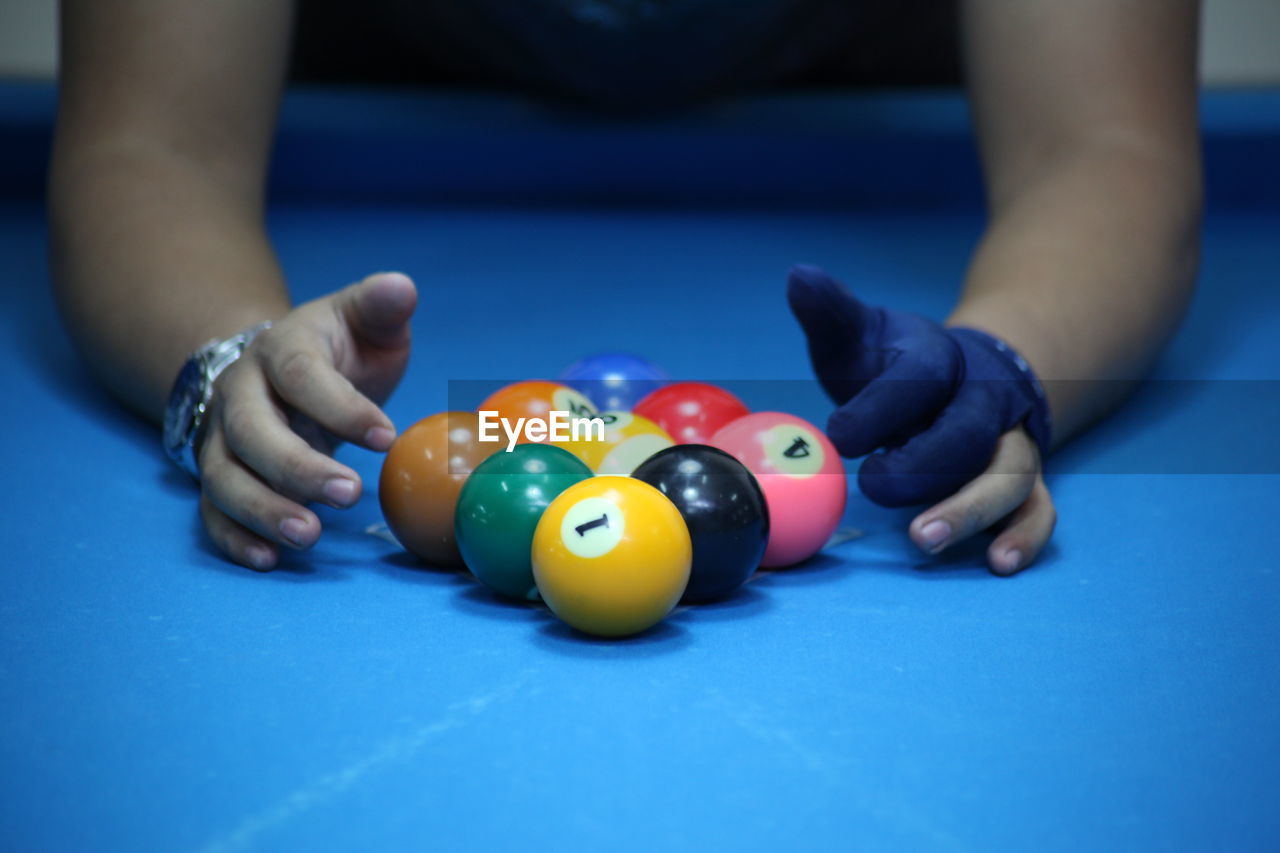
(1086, 121)
(165, 121)
(1086, 118)
(156, 206)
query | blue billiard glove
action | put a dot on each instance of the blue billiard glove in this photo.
(927, 402)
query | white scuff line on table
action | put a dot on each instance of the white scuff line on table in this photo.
(838, 769)
(381, 531)
(330, 785)
(843, 535)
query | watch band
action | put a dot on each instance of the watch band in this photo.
(184, 417)
(1039, 421)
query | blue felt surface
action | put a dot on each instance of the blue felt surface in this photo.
(1122, 695)
(899, 149)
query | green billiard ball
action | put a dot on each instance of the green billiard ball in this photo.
(499, 508)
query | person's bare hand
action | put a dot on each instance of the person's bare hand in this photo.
(314, 379)
(1010, 493)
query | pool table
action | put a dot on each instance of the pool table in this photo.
(1122, 694)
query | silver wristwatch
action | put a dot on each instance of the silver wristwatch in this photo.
(192, 391)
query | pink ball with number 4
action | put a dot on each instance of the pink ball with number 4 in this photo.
(802, 478)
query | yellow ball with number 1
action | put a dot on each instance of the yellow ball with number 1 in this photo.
(611, 556)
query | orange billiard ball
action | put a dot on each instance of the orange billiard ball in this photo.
(422, 475)
(536, 399)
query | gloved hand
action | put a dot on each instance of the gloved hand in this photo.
(930, 404)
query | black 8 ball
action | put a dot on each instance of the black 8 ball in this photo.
(722, 506)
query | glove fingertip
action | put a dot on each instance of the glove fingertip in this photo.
(890, 483)
(808, 286)
(808, 274)
(827, 312)
(880, 485)
(849, 435)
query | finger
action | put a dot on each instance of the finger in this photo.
(306, 379)
(834, 323)
(988, 498)
(256, 432)
(900, 402)
(246, 548)
(1027, 532)
(378, 309)
(956, 448)
(245, 499)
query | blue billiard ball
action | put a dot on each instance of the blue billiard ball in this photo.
(614, 381)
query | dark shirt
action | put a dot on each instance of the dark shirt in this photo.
(628, 53)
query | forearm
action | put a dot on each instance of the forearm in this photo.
(1087, 272)
(152, 256)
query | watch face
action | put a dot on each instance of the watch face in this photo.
(184, 398)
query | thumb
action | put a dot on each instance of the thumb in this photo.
(378, 309)
(835, 324)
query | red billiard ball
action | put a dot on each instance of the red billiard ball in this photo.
(691, 412)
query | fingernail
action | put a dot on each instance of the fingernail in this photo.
(340, 491)
(259, 557)
(297, 531)
(1012, 560)
(379, 438)
(935, 534)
